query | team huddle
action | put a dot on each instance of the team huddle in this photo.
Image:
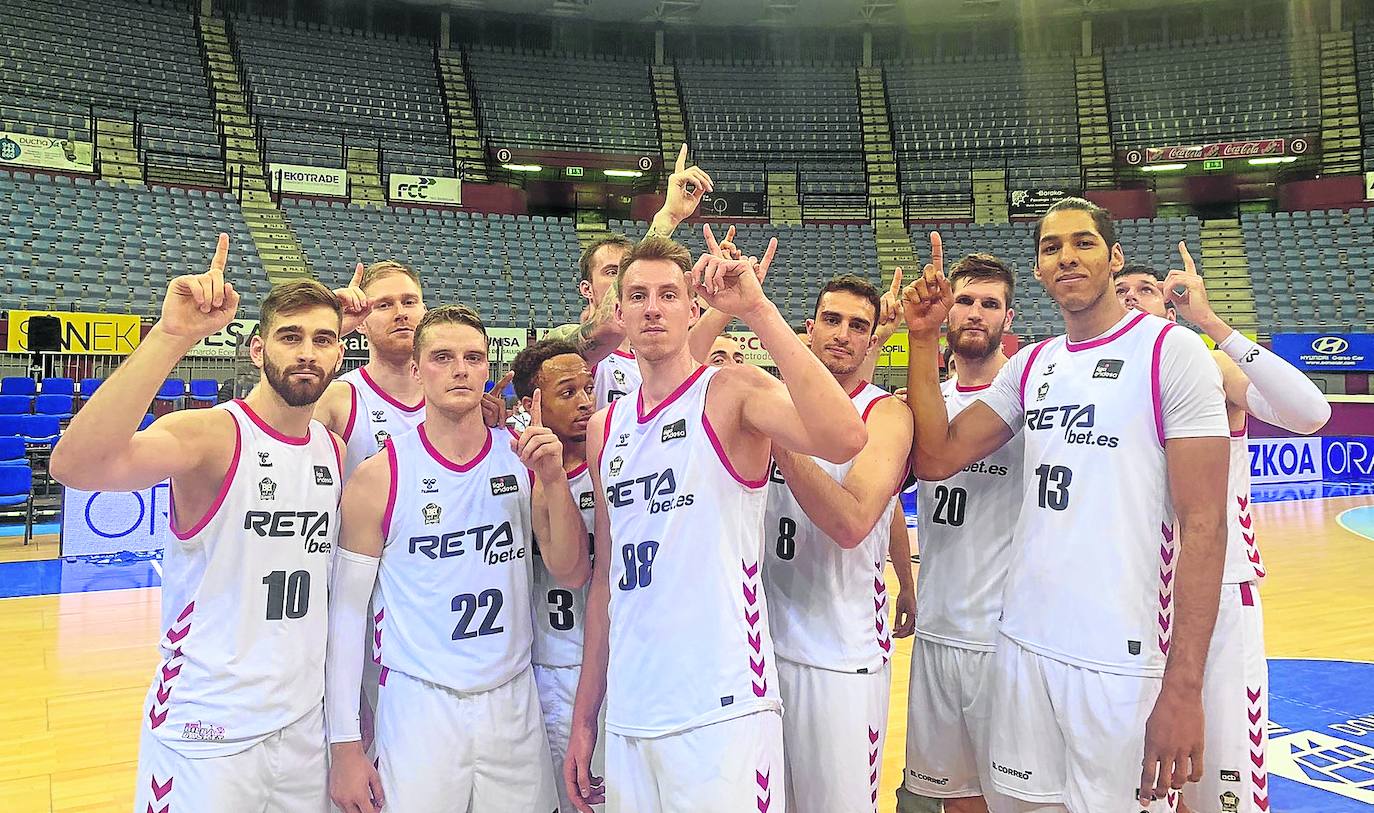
(667, 592)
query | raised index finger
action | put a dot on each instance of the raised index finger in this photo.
(503, 383)
(768, 255)
(221, 255)
(896, 290)
(937, 252)
(1188, 264)
(711, 245)
(681, 159)
(537, 408)
(357, 276)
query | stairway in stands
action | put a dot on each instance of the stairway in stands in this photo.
(1094, 130)
(1227, 274)
(364, 176)
(116, 150)
(1340, 98)
(884, 190)
(672, 127)
(277, 245)
(465, 131)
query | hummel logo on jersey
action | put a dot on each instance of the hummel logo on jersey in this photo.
(265, 459)
(267, 489)
(505, 484)
(427, 486)
(1108, 368)
(1049, 368)
(623, 441)
(675, 430)
(379, 416)
(616, 464)
(586, 500)
(431, 513)
(323, 477)
(1042, 392)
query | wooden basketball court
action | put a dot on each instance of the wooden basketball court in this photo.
(76, 665)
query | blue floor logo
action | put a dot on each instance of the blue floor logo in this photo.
(1321, 736)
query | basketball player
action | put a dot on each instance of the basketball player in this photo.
(964, 527)
(233, 718)
(1236, 685)
(442, 524)
(826, 535)
(600, 338)
(558, 372)
(677, 625)
(725, 350)
(1108, 610)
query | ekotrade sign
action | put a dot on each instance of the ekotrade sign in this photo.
(1327, 352)
(1348, 459)
(1285, 460)
(425, 189)
(302, 180)
(104, 522)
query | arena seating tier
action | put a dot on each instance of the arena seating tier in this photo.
(1311, 270)
(313, 88)
(549, 101)
(1364, 78)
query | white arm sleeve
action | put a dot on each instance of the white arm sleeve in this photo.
(1004, 395)
(1278, 394)
(1192, 403)
(350, 588)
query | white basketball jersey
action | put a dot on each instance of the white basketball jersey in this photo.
(964, 526)
(375, 417)
(454, 583)
(615, 376)
(1091, 582)
(689, 623)
(558, 611)
(244, 595)
(1243, 562)
(830, 607)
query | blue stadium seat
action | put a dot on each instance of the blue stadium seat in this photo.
(18, 385)
(204, 391)
(16, 488)
(40, 430)
(173, 389)
(146, 422)
(57, 386)
(11, 450)
(90, 385)
(14, 404)
(59, 406)
(9, 426)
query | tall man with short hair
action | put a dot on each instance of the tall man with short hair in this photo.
(964, 526)
(233, 718)
(1235, 691)
(677, 635)
(442, 525)
(1110, 603)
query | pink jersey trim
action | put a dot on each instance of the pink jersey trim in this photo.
(858, 389)
(1247, 594)
(978, 388)
(868, 409)
(1088, 345)
(605, 433)
(577, 470)
(1030, 364)
(392, 477)
(449, 464)
(1244, 427)
(266, 428)
(338, 453)
(677, 393)
(219, 497)
(623, 354)
(386, 396)
(352, 412)
(725, 460)
(1156, 396)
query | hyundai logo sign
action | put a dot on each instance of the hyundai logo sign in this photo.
(1330, 345)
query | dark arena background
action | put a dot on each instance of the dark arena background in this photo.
(484, 142)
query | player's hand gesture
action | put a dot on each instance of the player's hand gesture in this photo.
(354, 784)
(725, 248)
(890, 314)
(198, 305)
(1186, 290)
(494, 411)
(926, 301)
(682, 202)
(584, 788)
(732, 286)
(1173, 744)
(355, 304)
(538, 447)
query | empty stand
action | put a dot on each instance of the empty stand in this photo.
(75, 244)
(1311, 270)
(560, 102)
(1364, 75)
(315, 89)
(1217, 89)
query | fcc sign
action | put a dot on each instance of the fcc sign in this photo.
(1327, 352)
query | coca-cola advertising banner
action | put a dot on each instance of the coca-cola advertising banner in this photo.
(1263, 148)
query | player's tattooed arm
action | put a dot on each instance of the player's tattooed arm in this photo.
(680, 202)
(597, 336)
(847, 511)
